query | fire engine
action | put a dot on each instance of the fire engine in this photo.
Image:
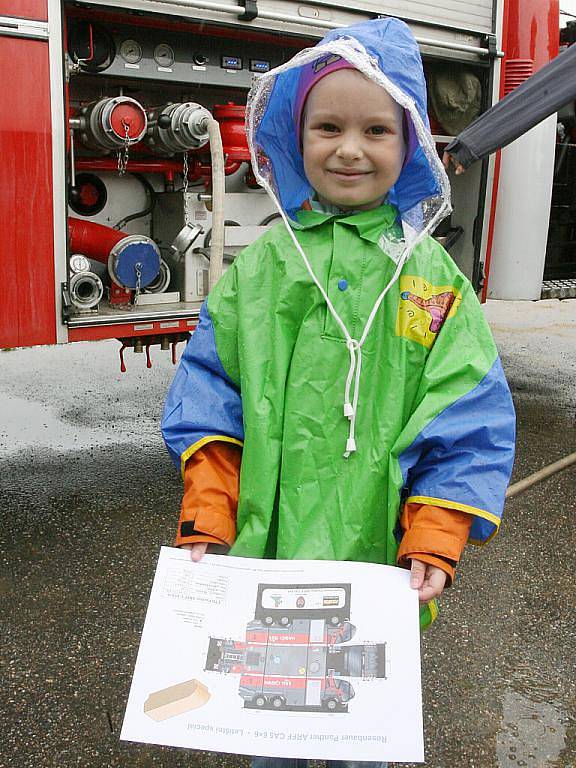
(125, 182)
(296, 654)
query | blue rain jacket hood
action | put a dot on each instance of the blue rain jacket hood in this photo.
(385, 51)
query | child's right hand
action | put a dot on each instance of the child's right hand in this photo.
(197, 551)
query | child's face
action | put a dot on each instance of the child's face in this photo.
(353, 145)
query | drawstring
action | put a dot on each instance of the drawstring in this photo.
(350, 409)
(354, 346)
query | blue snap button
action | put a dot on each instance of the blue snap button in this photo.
(343, 284)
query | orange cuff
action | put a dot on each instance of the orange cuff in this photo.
(211, 487)
(435, 535)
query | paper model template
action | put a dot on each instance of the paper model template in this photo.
(314, 660)
(295, 654)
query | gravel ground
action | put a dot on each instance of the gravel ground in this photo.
(88, 496)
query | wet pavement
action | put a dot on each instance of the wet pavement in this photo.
(88, 495)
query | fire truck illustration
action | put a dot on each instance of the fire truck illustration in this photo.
(296, 655)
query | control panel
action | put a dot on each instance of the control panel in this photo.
(170, 56)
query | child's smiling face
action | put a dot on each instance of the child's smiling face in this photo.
(353, 144)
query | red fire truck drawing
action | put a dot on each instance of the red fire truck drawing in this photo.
(296, 654)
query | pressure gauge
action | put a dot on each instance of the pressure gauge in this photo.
(131, 51)
(164, 55)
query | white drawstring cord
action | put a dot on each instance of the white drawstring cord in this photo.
(351, 442)
(351, 345)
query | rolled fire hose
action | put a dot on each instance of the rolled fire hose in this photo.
(542, 474)
(218, 179)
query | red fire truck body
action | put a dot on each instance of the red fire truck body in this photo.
(299, 658)
(107, 191)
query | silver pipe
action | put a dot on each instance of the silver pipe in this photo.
(72, 159)
(137, 316)
(16, 27)
(287, 17)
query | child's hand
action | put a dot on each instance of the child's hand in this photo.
(197, 551)
(429, 580)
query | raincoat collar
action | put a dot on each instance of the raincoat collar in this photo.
(369, 224)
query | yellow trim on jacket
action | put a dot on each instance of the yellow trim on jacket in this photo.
(201, 443)
(462, 508)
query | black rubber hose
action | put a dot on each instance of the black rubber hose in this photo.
(145, 211)
(208, 236)
(268, 219)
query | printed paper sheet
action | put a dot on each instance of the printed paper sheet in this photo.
(309, 659)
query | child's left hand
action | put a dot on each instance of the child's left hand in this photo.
(429, 580)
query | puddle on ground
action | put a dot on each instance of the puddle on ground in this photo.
(27, 424)
(532, 734)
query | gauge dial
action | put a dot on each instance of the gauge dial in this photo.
(131, 51)
(164, 55)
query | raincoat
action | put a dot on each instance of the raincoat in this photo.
(345, 352)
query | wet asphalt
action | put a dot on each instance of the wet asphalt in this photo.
(88, 495)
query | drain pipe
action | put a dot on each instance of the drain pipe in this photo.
(542, 474)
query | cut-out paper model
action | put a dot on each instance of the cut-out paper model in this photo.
(295, 655)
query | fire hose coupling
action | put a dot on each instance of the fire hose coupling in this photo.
(185, 238)
(178, 127)
(134, 262)
(86, 290)
(85, 287)
(113, 123)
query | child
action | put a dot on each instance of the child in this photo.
(342, 396)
